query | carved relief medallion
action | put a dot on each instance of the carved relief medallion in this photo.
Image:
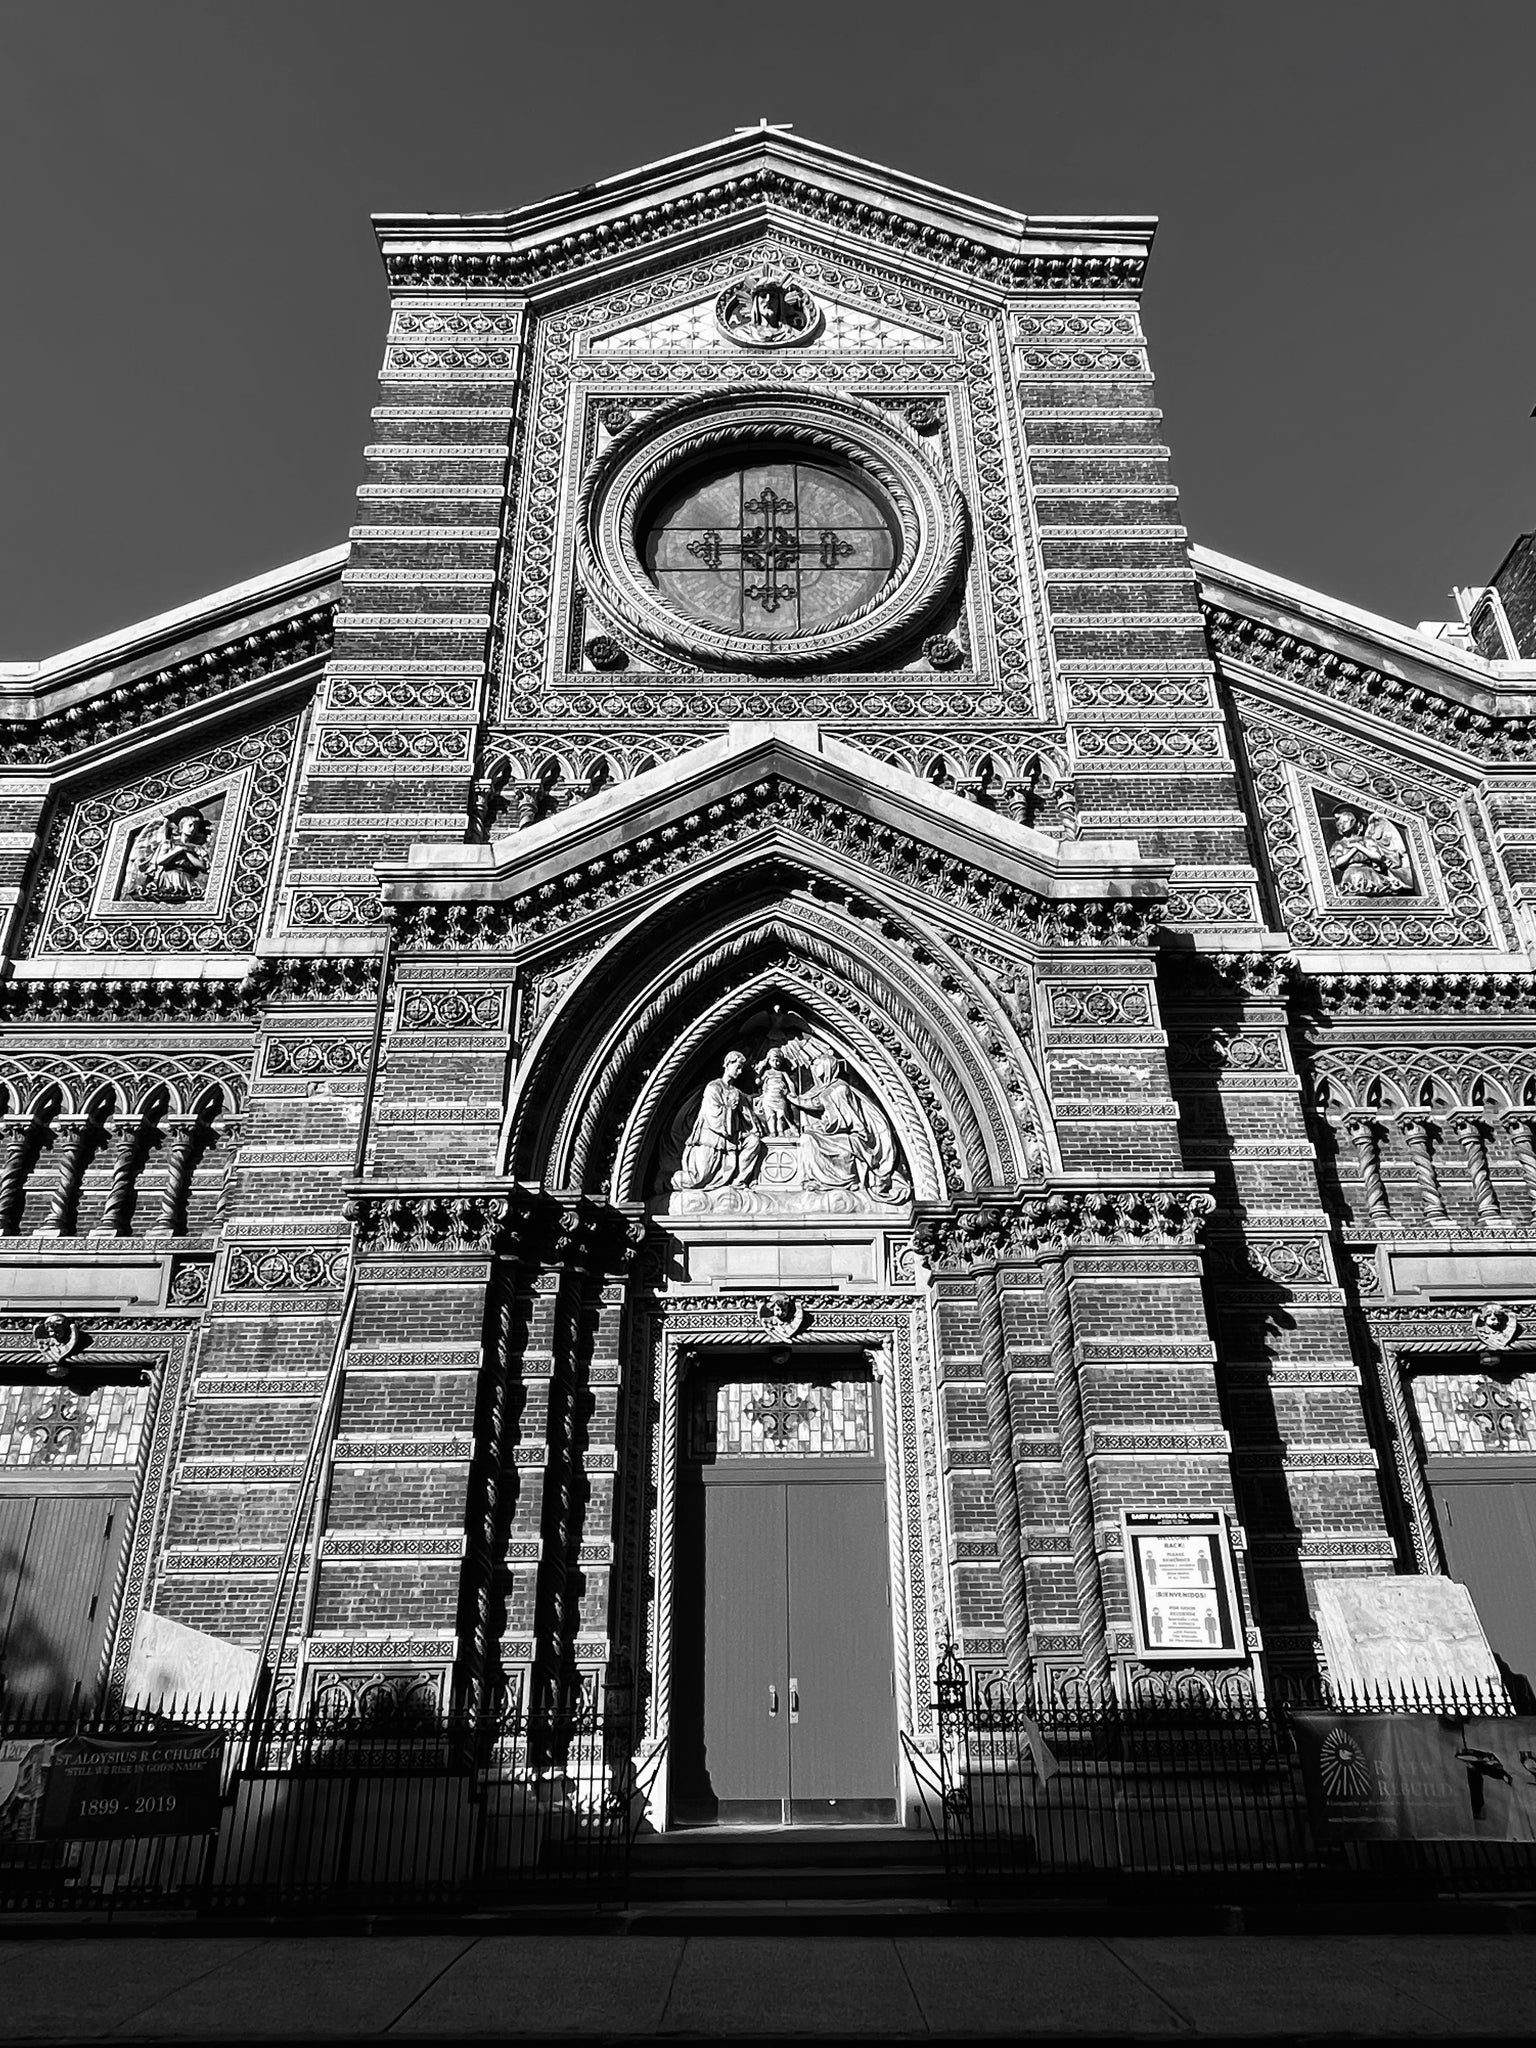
(767, 310)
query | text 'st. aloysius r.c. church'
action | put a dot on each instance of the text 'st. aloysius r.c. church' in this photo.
(766, 1026)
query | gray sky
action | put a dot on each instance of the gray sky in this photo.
(1341, 307)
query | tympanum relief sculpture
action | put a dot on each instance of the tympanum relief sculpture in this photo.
(788, 1129)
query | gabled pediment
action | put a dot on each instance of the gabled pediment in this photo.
(692, 328)
(755, 175)
(222, 652)
(789, 784)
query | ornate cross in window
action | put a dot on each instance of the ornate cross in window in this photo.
(781, 1411)
(774, 546)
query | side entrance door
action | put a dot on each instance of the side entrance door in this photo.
(59, 1555)
(1486, 1511)
(783, 1706)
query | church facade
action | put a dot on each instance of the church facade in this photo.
(765, 1028)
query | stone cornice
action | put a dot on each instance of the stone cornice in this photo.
(733, 179)
(51, 711)
(54, 998)
(1457, 699)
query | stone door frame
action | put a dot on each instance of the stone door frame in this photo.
(891, 1328)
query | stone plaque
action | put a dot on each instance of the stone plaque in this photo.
(1403, 1635)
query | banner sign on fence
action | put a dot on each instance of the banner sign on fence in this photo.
(1419, 1777)
(1183, 1593)
(100, 1787)
(23, 1775)
(1500, 1761)
(1383, 1777)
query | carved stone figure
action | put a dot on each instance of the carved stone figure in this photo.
(775, 1098)
(170, 861)
(806, 1136)
(1369, 856)
(846, 1141)
(768, 312)
(726, 1142)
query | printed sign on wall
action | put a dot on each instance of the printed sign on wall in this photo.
(1182, 1587)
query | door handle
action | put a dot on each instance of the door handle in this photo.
(794, 1699)
(773, 1701)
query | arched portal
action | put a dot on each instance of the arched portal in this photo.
(769, 1089)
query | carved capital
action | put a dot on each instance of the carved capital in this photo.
(427, 1221)
(1063, 1220)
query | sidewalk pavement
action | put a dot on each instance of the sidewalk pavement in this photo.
(638, 1985)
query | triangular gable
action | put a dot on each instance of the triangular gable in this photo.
(757, 780)
(692, 328)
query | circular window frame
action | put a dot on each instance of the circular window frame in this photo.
(926, 505)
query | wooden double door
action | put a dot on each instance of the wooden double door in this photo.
(1486, 1511)
(59, 1558)
(783, 1699)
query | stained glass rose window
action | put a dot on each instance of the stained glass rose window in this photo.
(770, 548)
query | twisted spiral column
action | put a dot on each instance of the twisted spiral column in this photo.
(1469, 1135)
(20, 1154)
(1518, 1131)
(1079, 1485)
(63, 1204)
(1364, 1133)
(1416, 1136)
(1005, 1481)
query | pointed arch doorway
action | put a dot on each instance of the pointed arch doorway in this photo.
(783, 1675)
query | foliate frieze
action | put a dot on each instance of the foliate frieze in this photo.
(1432, 995)
(431, 1222)
(170, 863)
(1062, 1221)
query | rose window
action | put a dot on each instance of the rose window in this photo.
(772, 548)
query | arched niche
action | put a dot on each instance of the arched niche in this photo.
(588, 1104)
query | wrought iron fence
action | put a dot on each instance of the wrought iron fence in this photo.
(215, 1812)
(1056, 1791)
